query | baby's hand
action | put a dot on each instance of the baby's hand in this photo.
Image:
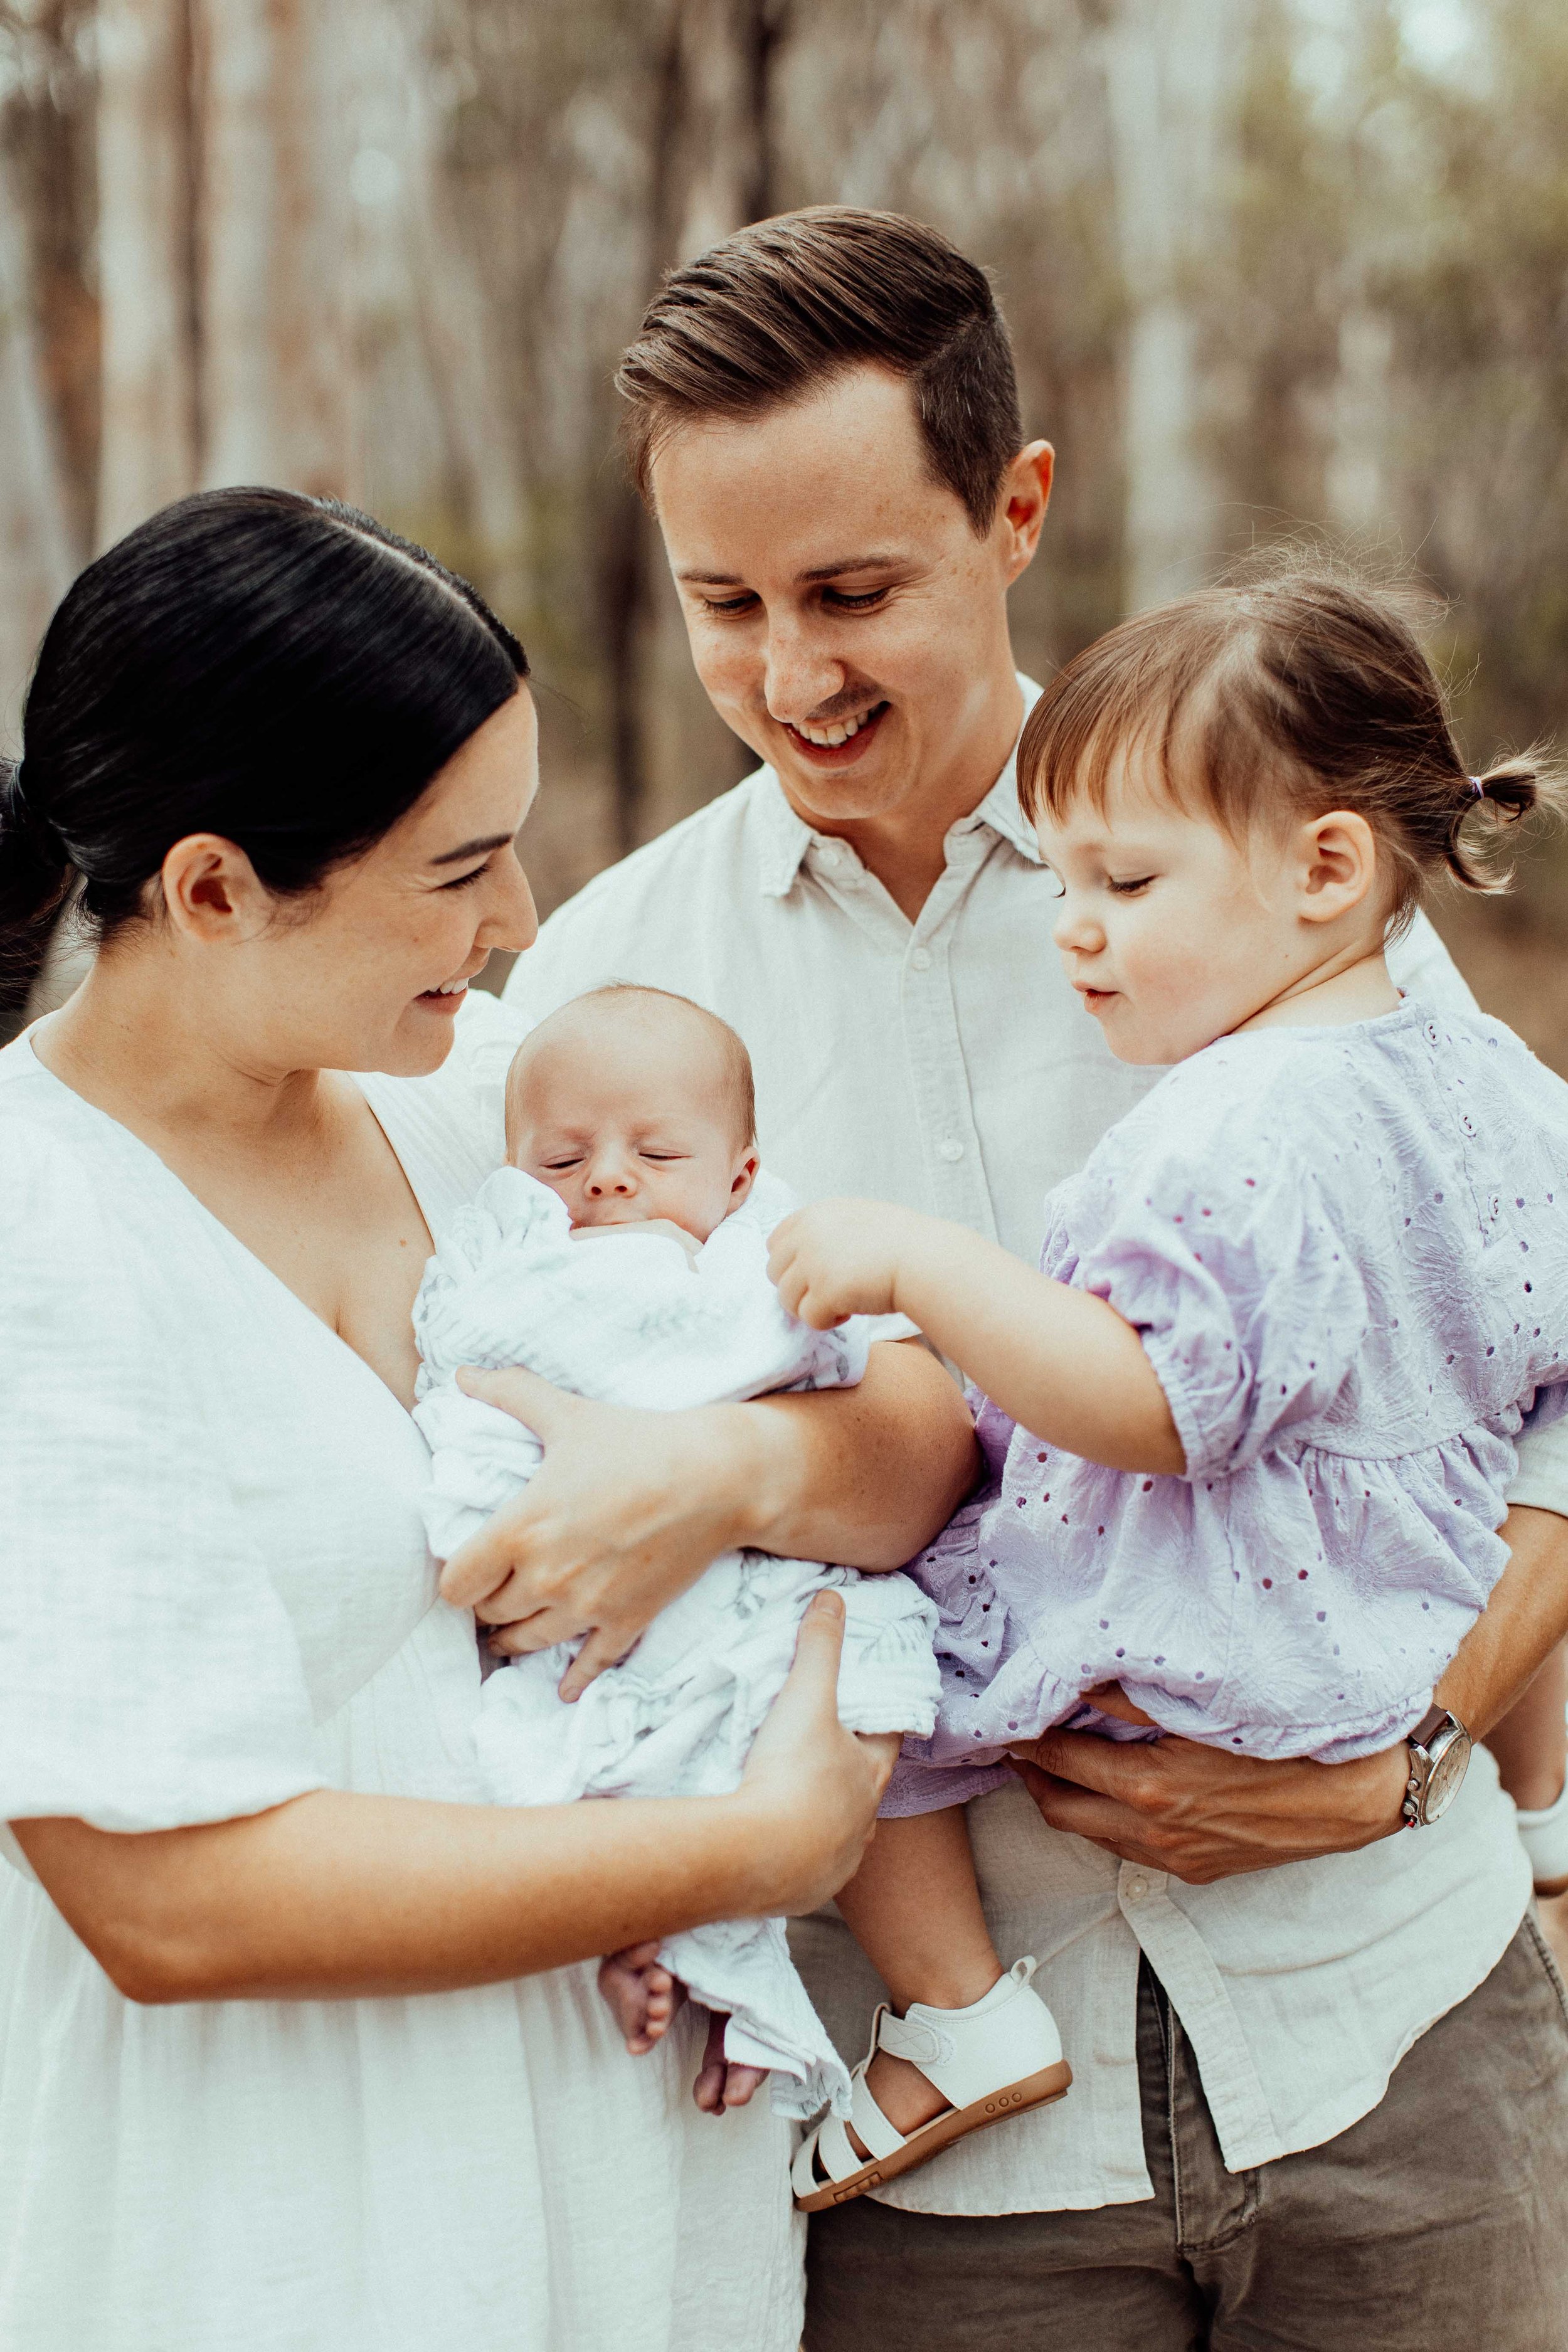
(838, 1258)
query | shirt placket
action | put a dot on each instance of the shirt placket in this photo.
(939, 1076)
(955, 1170)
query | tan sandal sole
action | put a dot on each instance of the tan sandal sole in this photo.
(1031, 2091)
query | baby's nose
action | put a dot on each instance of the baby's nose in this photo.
(606, 1179)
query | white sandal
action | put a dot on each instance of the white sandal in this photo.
(1544, 1837)
(997, 2058)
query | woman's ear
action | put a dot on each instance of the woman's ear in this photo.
(1338, 865)
(211, 891)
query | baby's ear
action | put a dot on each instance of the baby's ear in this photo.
(746, 1176)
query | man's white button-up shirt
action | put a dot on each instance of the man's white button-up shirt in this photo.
(946, 1064)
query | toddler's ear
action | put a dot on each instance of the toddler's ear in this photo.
(746, 1176)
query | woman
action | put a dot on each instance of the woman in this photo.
(295, 2043)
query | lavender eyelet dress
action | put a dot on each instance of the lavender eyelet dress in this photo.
(1346, 1251)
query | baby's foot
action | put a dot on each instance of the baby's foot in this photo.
(720, 2084)
(642, 1996)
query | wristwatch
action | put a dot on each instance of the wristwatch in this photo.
(1439, 1758)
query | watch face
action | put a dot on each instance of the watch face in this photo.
(1447, 1772)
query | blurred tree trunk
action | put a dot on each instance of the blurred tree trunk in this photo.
(1170, 66)
(147, 161)
(277, 375)
(711, 171)
(39, 545)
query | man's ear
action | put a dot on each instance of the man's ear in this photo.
(1021, 507)
(1338, 865)
(212, 892)
(746, 1176)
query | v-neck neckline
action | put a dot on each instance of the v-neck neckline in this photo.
(226, 1234)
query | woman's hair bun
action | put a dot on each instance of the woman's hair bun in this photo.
(34, 879)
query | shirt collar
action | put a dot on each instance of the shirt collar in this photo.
(784, 838)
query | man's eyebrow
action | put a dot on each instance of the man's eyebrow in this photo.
(472, 849)
(875, 561)
(878, 561)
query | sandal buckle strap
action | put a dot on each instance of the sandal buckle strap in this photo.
(912, 2038)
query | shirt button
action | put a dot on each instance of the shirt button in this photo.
(920, 958)
(952, 1149)
(1135, 1889)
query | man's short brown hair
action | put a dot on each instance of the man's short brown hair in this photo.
(780, 309)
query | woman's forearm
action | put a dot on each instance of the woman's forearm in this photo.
(332, 1896)
(865, 1475)
(335, 1895)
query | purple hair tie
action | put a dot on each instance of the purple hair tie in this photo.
(1478, 789)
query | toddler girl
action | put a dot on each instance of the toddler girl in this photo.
(1255, 1421)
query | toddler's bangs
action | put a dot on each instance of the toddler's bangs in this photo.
(1148, 688)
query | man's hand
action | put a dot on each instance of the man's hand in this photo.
(838, 1258)
(1201, 1814)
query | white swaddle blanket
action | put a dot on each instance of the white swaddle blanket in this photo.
(635, 1320)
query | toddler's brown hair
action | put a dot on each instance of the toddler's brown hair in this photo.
(1303, 690)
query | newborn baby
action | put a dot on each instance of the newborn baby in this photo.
(622, 1253)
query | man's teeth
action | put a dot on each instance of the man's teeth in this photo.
(840, 732)
(450, 988)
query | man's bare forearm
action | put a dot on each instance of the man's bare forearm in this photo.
(1522, 1624)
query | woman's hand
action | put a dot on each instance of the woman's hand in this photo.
(838, 1258)
(626, 1511)
(812, 1787)
(1201, 1814)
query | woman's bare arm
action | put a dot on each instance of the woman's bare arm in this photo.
(629, 1507)
(334, 1895)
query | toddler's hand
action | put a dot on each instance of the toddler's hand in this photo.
(835, 1259)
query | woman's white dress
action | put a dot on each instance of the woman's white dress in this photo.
(215, 1594)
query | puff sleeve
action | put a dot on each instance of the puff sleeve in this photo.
(149, 1672)
(1229, 1266)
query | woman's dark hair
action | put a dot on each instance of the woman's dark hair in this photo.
(1302, 692)
(279, 669)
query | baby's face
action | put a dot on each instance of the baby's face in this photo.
(628, 1119)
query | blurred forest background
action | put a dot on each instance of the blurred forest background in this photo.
(1269, 264)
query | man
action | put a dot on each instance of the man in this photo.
(822, 412)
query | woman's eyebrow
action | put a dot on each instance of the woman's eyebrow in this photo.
(472, 848)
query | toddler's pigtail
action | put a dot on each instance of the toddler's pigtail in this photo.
(1510, 790)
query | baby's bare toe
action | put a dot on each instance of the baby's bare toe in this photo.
(742, 2085)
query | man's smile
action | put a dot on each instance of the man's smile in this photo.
(838, 742)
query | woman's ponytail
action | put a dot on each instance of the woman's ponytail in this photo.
(36, 873)
(1510, 790)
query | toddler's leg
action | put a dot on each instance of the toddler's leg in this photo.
(913, 1907)
(1531, 1745)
